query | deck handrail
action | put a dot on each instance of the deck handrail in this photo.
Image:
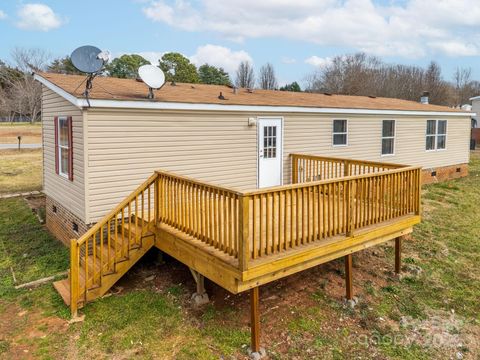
(353, 161)
(109, 216)
(328, 181)
(98, 250)
(306, 167)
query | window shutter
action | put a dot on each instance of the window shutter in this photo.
(70, 149)
(55, 123)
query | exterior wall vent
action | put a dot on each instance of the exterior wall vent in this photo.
(434, 173)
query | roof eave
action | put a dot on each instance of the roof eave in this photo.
(158, 105)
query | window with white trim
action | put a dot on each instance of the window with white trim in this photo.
(63, 146)
(436, 135)
(388, 137)
(340, 132)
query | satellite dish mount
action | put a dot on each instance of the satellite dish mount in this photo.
(90, 60)
(152, 76)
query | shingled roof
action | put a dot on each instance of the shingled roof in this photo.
(108, 88)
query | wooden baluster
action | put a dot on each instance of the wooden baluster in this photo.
(149, 201)
(283, 221)
(293, 218)
(315, 221)
(116, 242)
(268, 227)
(109, 243)
(129, 224)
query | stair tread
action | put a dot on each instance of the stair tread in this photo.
(63, 288)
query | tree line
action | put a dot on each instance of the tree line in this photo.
(353, 74)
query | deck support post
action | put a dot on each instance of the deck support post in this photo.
(255, 350)
(348, 277)
(200, 297)
(398, 254)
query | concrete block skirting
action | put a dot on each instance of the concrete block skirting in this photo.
(439, 174)
(62, 223)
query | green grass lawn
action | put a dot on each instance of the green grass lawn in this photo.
(20, 171)
(431, 312)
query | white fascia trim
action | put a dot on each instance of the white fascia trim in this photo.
(158, 105)
(67, 96)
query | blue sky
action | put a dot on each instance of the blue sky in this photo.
(295, 36)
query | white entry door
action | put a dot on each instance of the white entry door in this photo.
(270, 145)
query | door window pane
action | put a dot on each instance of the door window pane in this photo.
(269, 142)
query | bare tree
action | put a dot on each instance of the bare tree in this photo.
(23, 93)
(360, 74)
(464, 86)
(267, 79)
(245, 76)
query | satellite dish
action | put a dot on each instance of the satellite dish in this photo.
(86, 59)
(152, 76)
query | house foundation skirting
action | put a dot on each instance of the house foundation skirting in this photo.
(62, 223)
(433, 175)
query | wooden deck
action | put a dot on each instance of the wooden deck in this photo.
(240, 240)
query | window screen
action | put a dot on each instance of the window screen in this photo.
(436, 135)
(339, 132)
(388, 137)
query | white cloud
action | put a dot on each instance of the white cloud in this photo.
(152, 56)
(2, 15)
(410, 28)
(318, 61)
(288, 60)
(219, 56)
(38, 17)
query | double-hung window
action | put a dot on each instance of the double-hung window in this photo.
(63, 147)
(388, 137)
(340, 133)
(436, 135)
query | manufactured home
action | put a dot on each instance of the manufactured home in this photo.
(243, 186)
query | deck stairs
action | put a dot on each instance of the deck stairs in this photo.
(128, 244)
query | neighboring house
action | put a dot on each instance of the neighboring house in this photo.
(243, 187)
(475, 120)
(95, 156)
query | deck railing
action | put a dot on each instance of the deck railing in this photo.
(328, 197)
(249, 225)
(207, 212)
(312, 168)
(110, 240)
(294, 215)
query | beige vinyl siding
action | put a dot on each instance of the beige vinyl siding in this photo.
(313, 134)
(70, 194)
(126, 146)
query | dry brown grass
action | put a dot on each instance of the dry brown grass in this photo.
(20, 171)
(31, 134)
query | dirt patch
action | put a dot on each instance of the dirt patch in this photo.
(20, 328)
